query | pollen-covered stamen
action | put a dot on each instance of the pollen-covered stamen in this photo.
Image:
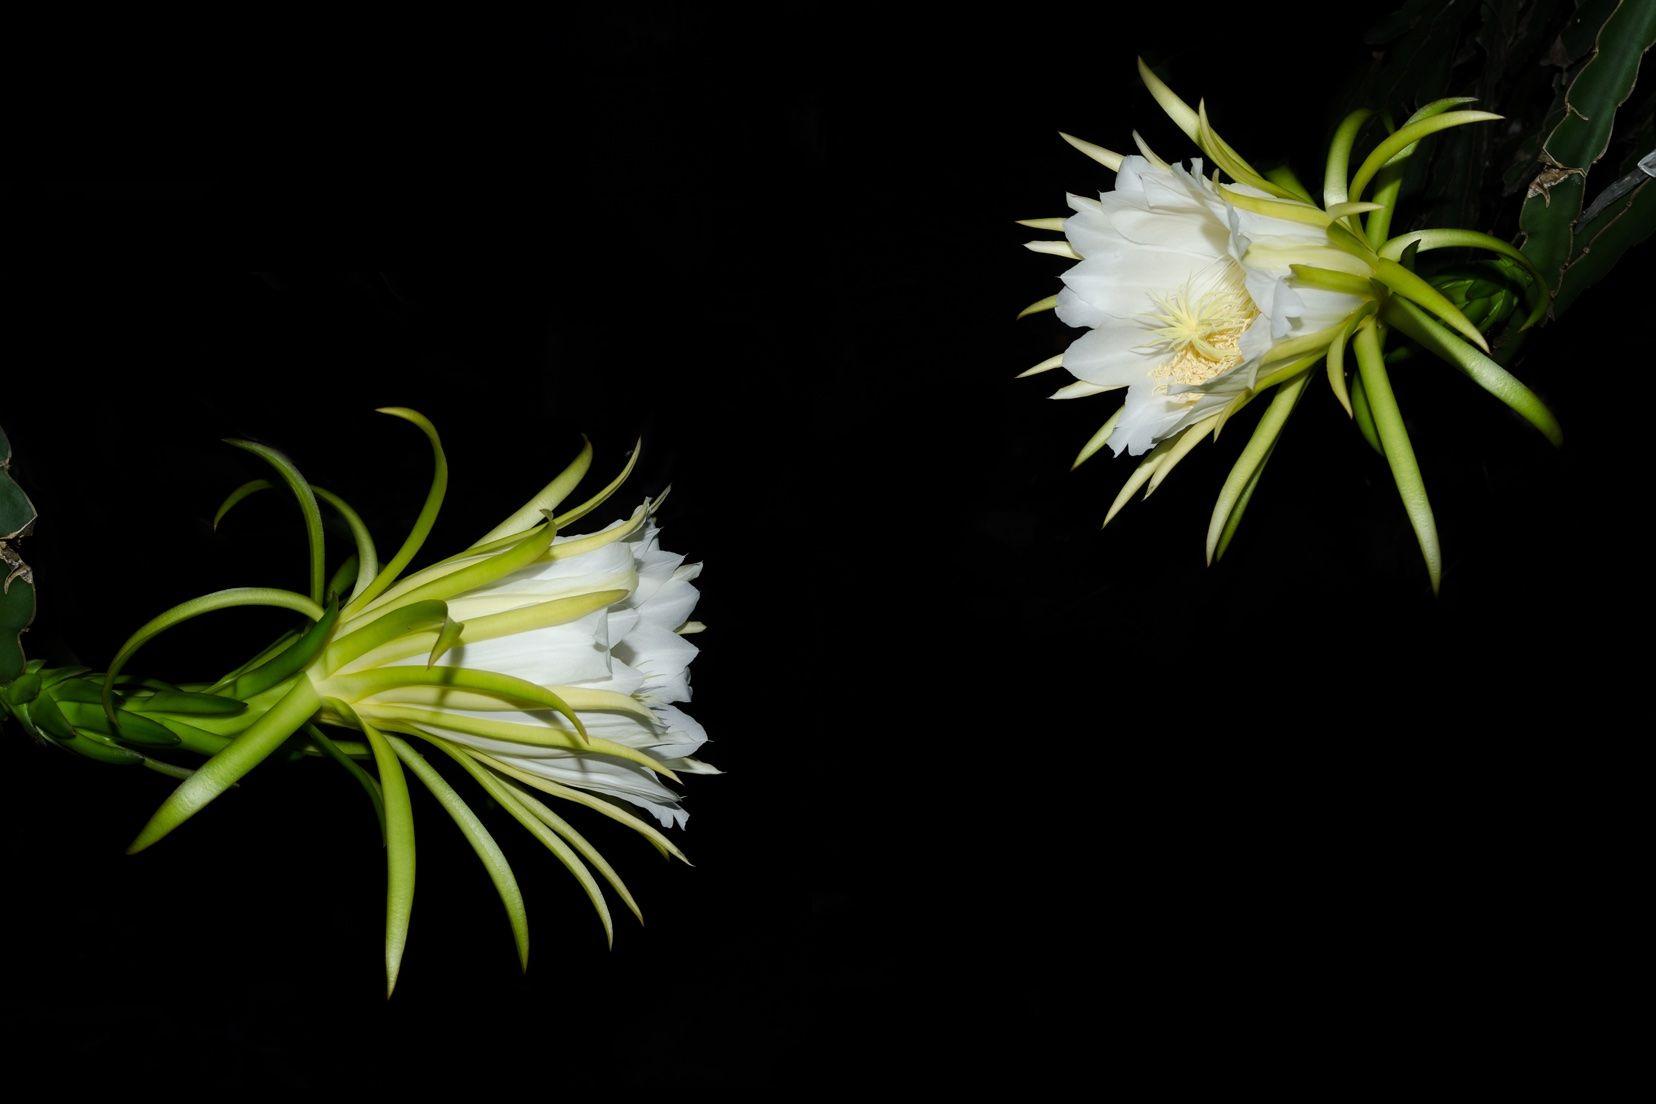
(1199, 327)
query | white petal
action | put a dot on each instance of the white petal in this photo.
(1110, 355)
(1147, 417)
(553, 656)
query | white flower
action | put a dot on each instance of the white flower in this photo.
(634, 648)
(615, 650)
(1200, 296)
(1184, 294)
(542, 664)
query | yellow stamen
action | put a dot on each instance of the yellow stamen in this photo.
(1200, 329)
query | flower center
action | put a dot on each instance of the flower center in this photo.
(1198, 329)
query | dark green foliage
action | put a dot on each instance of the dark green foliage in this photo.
(17, 597)
(1561, 175)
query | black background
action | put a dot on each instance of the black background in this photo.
(1006, 797)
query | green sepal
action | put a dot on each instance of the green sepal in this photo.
(307, 508)
(346, 574)
(399, 842)
(1399, 452)
(545, 501)
(196, 607)
(102, 752)
(187, 704)
(245, 751)
(577, 513)
(388, 626)
(1283, 177)
(1234, 521)
(21, 690)
(358, 568)
(1336, 174)
(1483, 371)
(1239, 484)
(49, 718)
(507, 796)
(447, 637)
(1410, 286)
(128, 728)
(422, 523)
(579, 842)
(290, 661)
(505, 688)
(531, 547)
(487, 850)
(1423, 240)
(80, 689)
(333, 751)
(1399, 141)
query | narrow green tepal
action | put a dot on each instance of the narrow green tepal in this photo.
(399, 840)
(1394, 442)
(250, 748)
(494, 860)
(1483, 371)
(307, 507)
(1244, 475)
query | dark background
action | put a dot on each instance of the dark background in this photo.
(1006, 797)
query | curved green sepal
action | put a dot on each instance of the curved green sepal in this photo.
(520, 555)
(369, 786)
(597, 804)
(1099, 439)
(1243, 474)
(1407, 135)
(246, 751)
(307, 507)
(346, 574)
(488, 851)
(1483, 371)
(1283, 176)
(447, 637)
(1362, 417)
(366, 560)
(422, 523)
(399, 843)
(237, 497)
(187, 704)
(508, 798)
(195, 607)
(1331, 279)
(290, 661)
(127, 728)
(1410, 286)
(1425, 240)
(506, 688)
(1399, 453)
(579, 842)
(597, 500)
(388, 626)
(547, 500)
(1336, 173)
